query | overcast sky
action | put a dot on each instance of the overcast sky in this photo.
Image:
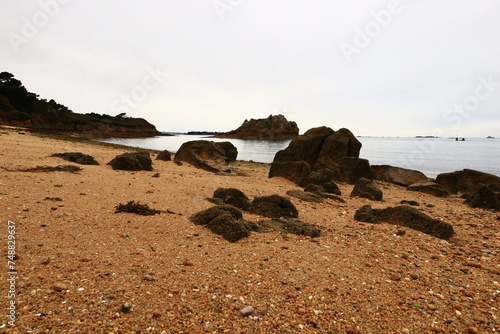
(382, 68)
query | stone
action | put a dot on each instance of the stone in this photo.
(230, 228)
(233, 197)
(164, 156)
(206, 216)
(59, 286)
(246, 311)
(466, 181)
(305, 196)
(449, 181)
(485, 197)
(289, 225)
(204, 154)
(331, 188)
(274, 206)
(295, 171)
(406, 216)
(398, 175)
(366, 189)
(230, 150)
(352, 169)
(431, 188)
(77, 157)
(126, 308)
(134, 161)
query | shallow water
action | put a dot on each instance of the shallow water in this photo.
(430, 156)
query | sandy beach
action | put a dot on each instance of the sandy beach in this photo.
(82, 268)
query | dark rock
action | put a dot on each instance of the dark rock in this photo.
(366, 189)
(230, 228)
(77, 157)
(466, 181)
(408, 217)
(230, 149)
(274, 206)
(485, 197)
(305, 196)
(325, 155)
(233, 197)
(293, 226)
(331, 188)
(206, 216)
(295, 171)
(412, 203)
(204, 154)
(315, 188)
(133, 161)
(398, 175)
(430, 188)
(164, 156)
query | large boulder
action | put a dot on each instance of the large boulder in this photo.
(321, 149)
(233, 197)
(485, 197)
(133, 161)
(206, 155)
(431, 188)
(466, 181)
(398, 175)
(406, 216)
(366, 189)
(77, 157)
(274, 206)
(230, 149)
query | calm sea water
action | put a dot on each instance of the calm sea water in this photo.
(430, 156)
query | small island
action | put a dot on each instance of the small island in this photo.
(272, 127)
(490, 137)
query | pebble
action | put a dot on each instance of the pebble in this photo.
(59, 286)
(400, 232)
(45, 261)
(405, 331)
(126, 308)
(149, 278)
(352, 330)
(245, 312)
(468, 293)
(472, 330)
(396, 277)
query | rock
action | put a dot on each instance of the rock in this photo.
(366, 189)
(272, 127)
(331, 188)
(230, 228)
(126, 308)
(164, 156)
(295, 171)
(77, 157)
(230, 149)
(206, 216)
(204, 154)
(59, 286)
(430, 188)
(274, 206)
(466, 181)
(134, 161)
(245, 312)
(408, 217)
(398, 175)
(410, 202)
(485, 197)
(315, 188)
(233, 197)
(319, 155)
(293, 226)
(45, 261)
(305, 196)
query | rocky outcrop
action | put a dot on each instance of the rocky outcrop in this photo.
(431, 188)
(366, 189)
(273, 127)
(134, 161)
(466, 181)
(164, 156)
(398, 175)
(274, 206)
(320, 155)
(408, 217)
(207, 155)
(77, 157)
(485, 197)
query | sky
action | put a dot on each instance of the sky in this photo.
(378, 68)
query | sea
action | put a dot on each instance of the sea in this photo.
(431, 156)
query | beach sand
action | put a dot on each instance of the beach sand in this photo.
(82, 268)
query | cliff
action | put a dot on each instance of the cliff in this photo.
(19, 107)
(273, 127)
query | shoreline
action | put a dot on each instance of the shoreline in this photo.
(79, 262)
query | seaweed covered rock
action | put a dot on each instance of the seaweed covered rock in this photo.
(274, 206)
(485, 197)
(431, 188)
(408, 217)
(233, 197)
(77, 157)
(164, 156)
(293, 226)
(133, 161)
